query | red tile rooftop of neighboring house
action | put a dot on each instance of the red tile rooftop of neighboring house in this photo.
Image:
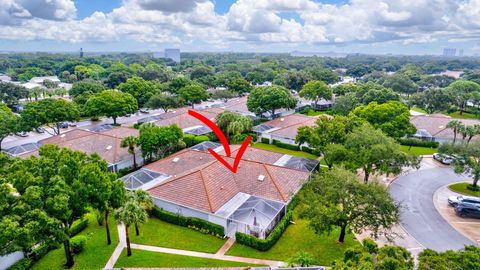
(183, 120)
(288, 125)
(436, 125)
(106, 144)
(203, 183)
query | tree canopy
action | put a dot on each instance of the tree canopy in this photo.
(49, 112)
(11, 93)
(140, 89)
(337, 199)
(193, 93)
(156, 142)
(53, 191)
(9, 123)
(165, 101)
(269, 99)
(111, 103)
(392, 117)
(316, 90)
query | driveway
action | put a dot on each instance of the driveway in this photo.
(419, 217)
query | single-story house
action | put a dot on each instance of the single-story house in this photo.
(193, 183)
(41, 80)
(106, 143)
(434, 127)
(239, 105)
(285, 128)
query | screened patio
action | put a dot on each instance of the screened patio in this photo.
(143, 179)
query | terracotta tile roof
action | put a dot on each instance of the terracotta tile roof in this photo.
(204, 183)
(106, 144)
(436, 125)
(183, 120)
(287, 126)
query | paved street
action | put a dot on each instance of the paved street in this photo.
(419, 216)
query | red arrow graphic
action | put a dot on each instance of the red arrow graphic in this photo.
(224, 141)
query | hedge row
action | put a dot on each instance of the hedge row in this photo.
(417, 142)
(286, 145)
(43, 249)
(265, 140)
(191, 139)
(194, 223)
(265, 244)
(310, 150)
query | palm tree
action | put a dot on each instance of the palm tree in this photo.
(130, 142)
(141, 198)
(472, 131)
(463, 130)
(456, 126)
(130, 213)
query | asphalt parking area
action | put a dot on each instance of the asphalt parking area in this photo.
(469, 227)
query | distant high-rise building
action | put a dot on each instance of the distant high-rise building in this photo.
(460, 52)
(449, 52)
(173, 54)
(81, 52)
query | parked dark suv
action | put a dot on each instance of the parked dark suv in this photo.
(454, 200)
(468, 210)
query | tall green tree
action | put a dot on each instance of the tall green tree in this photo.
(239, 86)
(111, 103)
(433, 100)
(400, 84)
(143, 199)
(140, 89)
(49, 112)
(269, 99)
(455, 125)
(233, 124)
(9, 123)
(466, 159)
(392, 117)
(337, 199)
(316, 90)
(85, 86)
(164, 101)
(462, 92)
(130, 142)
(11, 93)
(193, 93)
(155, 141)
(130, 213)
(53, 191)
(374, 152)
(464, 259)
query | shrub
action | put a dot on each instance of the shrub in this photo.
(40, 251)
(473, 188)
(188, 139)
(265, 244)
(286, 145)
(417, 142)
(23, 264)
(310, 150)
(254, 136)
(78, 243)
(137, 125)
(265, 140)
(78, 227)
(369, 245)
(193, 223)
(200, 139)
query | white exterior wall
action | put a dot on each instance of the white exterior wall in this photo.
(8, 260)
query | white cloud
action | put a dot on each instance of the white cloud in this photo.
(252, 22)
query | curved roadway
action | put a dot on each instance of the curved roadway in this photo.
(419, 216)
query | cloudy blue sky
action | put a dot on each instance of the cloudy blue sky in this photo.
(365, 26)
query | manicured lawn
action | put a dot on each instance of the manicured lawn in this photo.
(95, 255)
(299, 237)
(417, 150)
(465, 115)
(159, 233)
(143, 258)
(417, 109)
(277, 149)
(462, 188)
(315, 113)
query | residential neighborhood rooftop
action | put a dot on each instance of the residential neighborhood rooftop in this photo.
(435, 125)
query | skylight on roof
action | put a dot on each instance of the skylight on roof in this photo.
(261, 177)
(109, 147)
(176, 159)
